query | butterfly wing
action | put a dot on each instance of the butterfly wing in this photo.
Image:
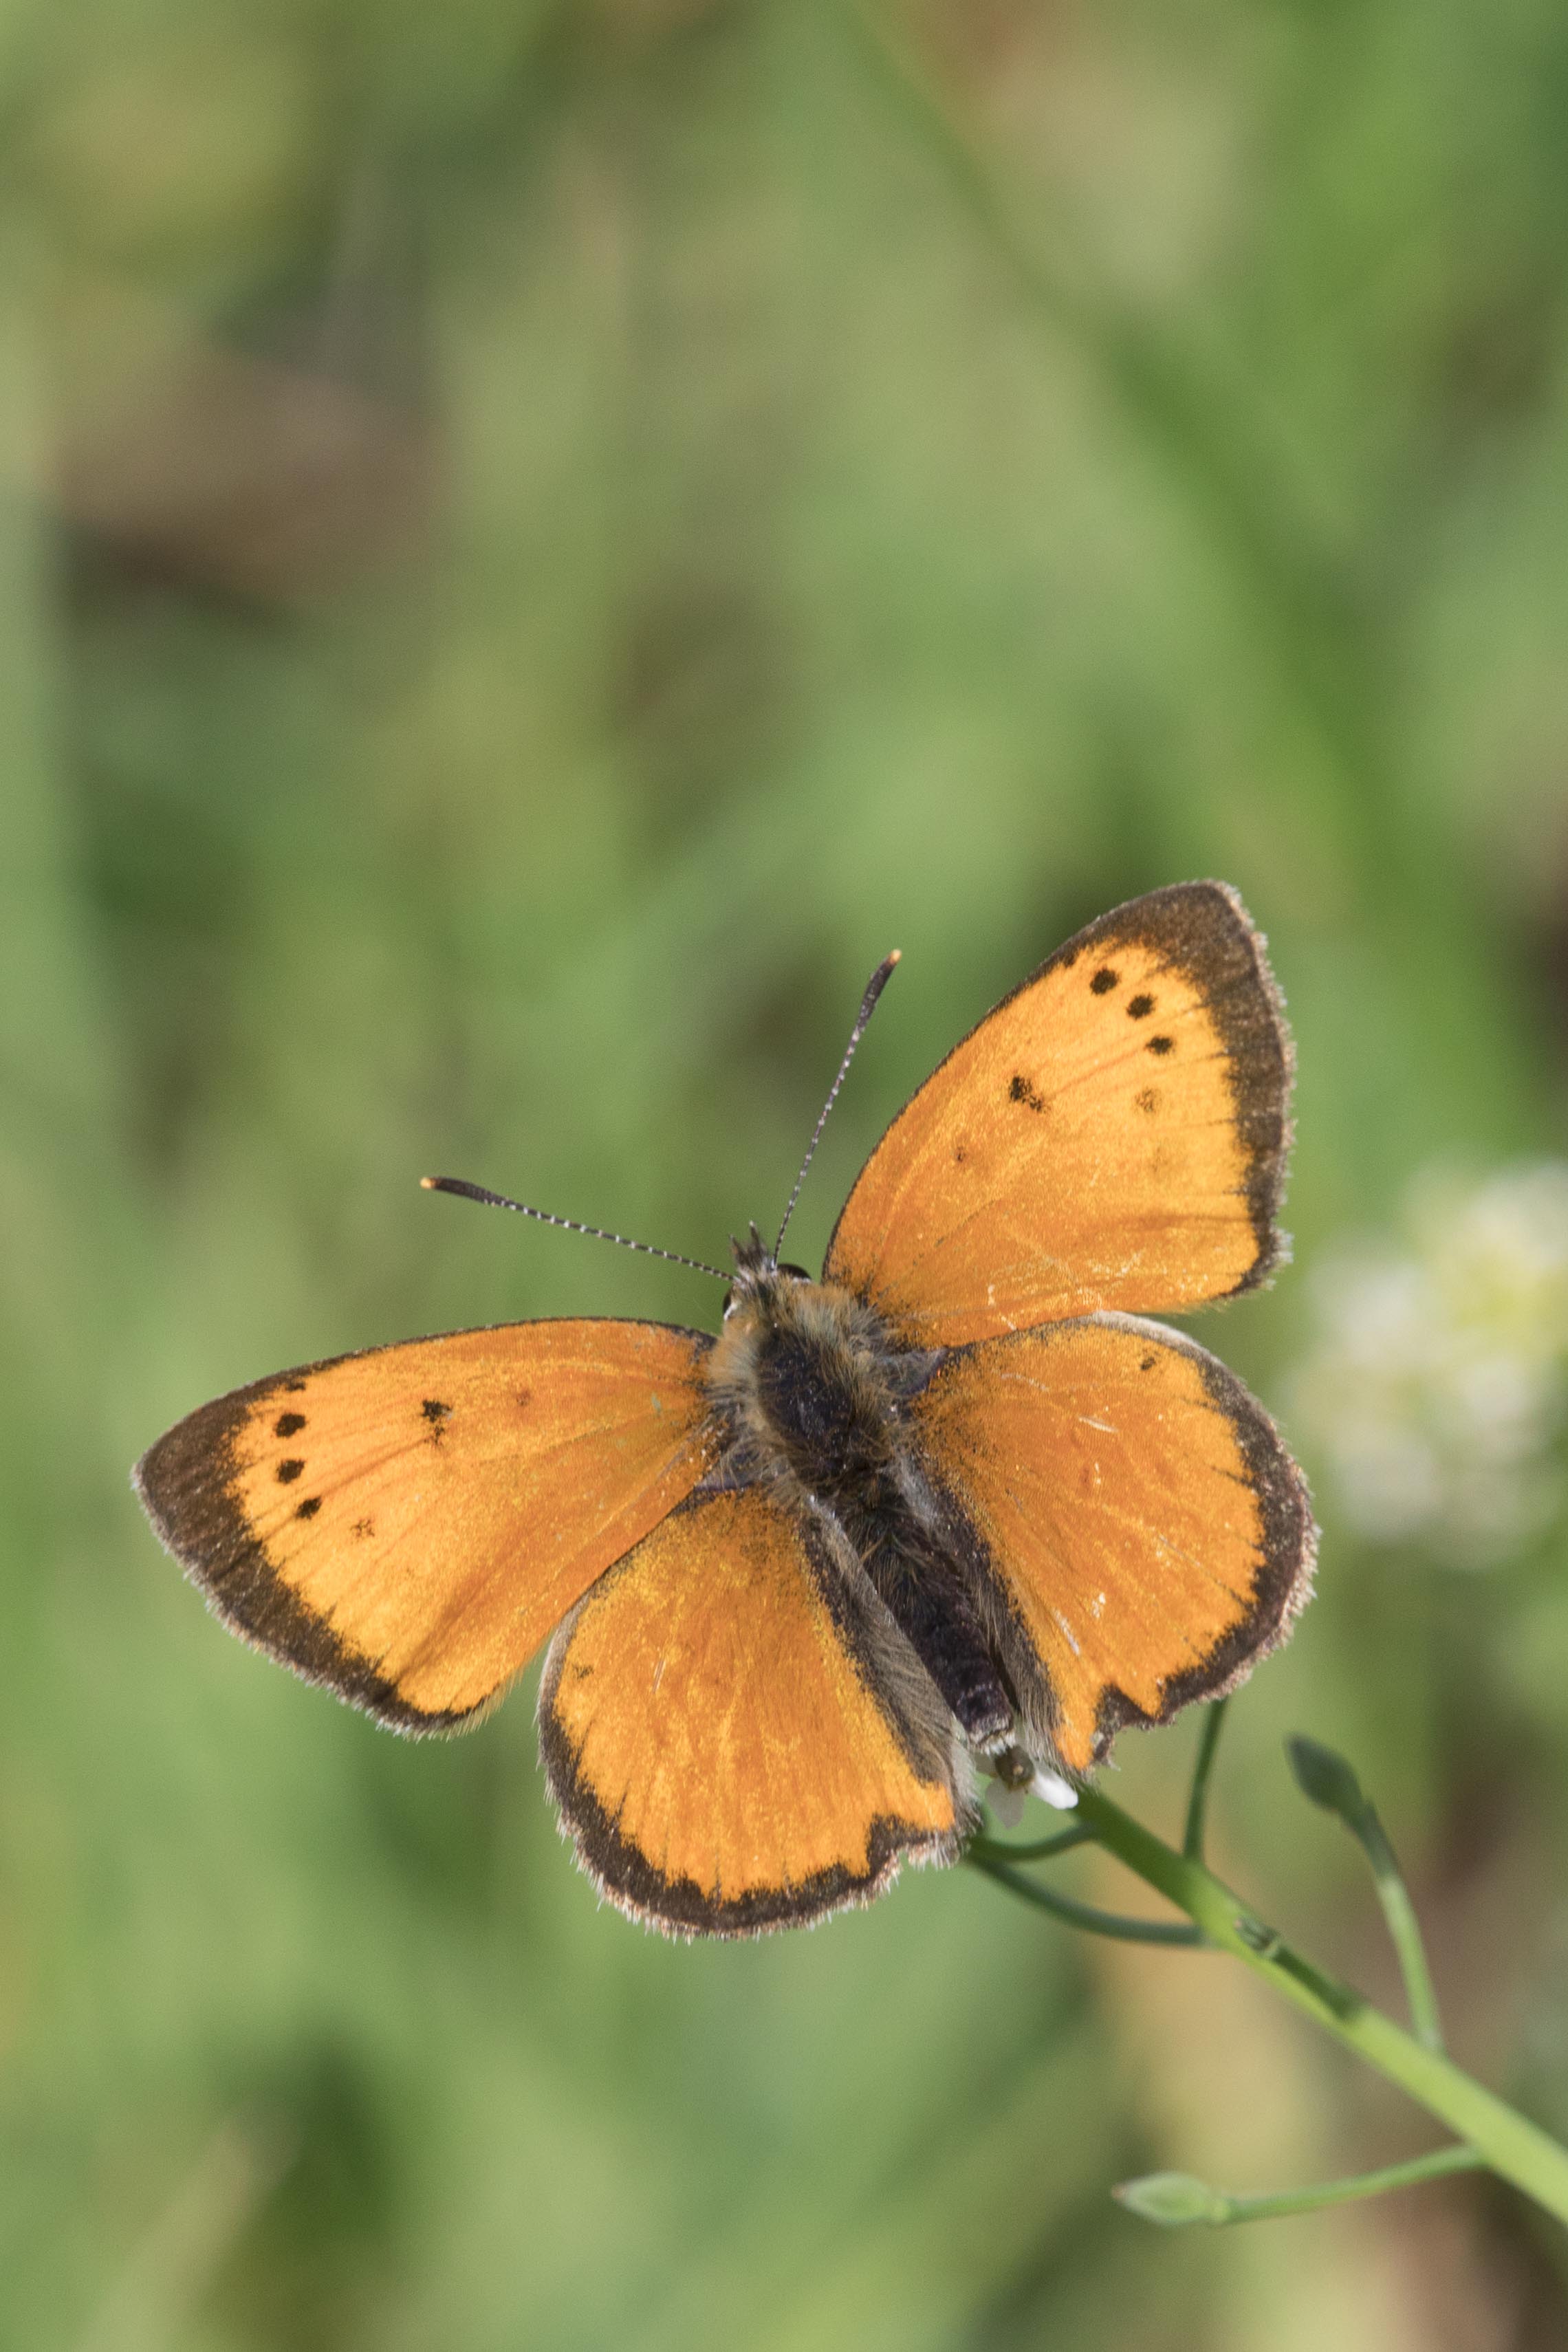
(1112, 1136)
(1140, 1513)
(407, 1525)
(725, 1735)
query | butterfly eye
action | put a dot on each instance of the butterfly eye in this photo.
(797, 1273)
(732, 1300)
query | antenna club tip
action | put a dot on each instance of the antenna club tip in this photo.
(428, 1184)
(896, 955)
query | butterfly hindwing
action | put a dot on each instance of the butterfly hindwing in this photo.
(407, 1525)
(1138, 1508)
(1112, 1136)
(723, 1758)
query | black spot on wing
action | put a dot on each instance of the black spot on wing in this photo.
(1104, 980)
(1162, 1045)
(289, 1471)
(286, 1424)
(1202, 930)
(309, 1507)
(1139, 1008)
(1021, 1091)
(189, 1482)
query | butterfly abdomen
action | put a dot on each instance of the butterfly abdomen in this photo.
(812, 1384)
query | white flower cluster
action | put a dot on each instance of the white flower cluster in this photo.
(1438, 1386)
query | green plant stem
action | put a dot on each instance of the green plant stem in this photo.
(1326, 1779)
(1037, 1849)
(1505, 2140)
(1197, 1803)
(1117, 1925)
(1405, 1931)
(1218, 2207)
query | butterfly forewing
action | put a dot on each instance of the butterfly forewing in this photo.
(407, 1525)
(1136, 1507)
(716, 1749)
(1112, 1136)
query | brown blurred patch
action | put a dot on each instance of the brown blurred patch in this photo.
(260, 481)
(1470, 2263)
(179, 459)
(630, 26)
(976, 42)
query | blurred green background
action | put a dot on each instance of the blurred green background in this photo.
(539, 540)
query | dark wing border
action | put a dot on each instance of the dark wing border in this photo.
(678, 1908)
(185, 1482)
(1282, 1585)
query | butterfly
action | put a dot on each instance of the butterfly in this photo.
(956, 1509)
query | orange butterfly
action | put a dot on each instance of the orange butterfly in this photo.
(954, 1505)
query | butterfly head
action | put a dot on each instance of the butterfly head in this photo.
(758, 1271)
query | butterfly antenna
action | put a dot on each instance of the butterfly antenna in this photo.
(874, 987)
(499, 1200)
